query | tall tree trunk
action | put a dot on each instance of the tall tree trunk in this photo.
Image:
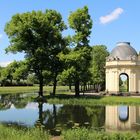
(88, 86)
(70, 86)
(54, 84)
(85, 87)
(41, 85)
(94, 86)
(81, 87)
(99, 87)
(11, 81)
(77, 88)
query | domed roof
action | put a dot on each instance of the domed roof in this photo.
(123, 51)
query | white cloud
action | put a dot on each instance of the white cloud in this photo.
(4, 64)
(112, 16)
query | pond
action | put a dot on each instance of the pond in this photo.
(15, 110)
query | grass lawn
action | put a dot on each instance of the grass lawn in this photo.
(10, 133)
(31, 89)
(63, 96)
(93, 100)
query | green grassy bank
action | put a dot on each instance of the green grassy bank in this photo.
(64, 96)
(93, 100)
(32, 89)
(7, 133)
(85, 134)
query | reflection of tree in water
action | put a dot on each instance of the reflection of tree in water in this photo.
(46, 118)
(57, 115)
(51, 121)
(80, 114)
(7, 100)
(40, 114)
(97, 114)
(21, 102)
(77, 114)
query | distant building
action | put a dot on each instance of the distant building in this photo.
(123, 60)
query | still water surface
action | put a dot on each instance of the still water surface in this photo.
(16, 110)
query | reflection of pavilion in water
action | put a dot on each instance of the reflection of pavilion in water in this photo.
(122, 118)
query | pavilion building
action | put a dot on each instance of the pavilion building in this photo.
(123, 60)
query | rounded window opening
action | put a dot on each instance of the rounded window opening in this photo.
(123, 83)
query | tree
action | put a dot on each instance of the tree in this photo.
(31, 79)
(99, 54)
(80, 21)
(7, 72)
(66, 77)
(21, 72)
(79, 58)
(77, 63)
(35, 34)
(56, 65)
(1, 70)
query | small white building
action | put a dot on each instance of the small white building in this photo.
(123, 60)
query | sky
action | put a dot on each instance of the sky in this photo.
(113, 21)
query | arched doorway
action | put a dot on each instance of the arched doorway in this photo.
(123, 82)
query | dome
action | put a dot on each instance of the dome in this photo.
(123, 51)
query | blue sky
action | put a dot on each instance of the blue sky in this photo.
(113, 20)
